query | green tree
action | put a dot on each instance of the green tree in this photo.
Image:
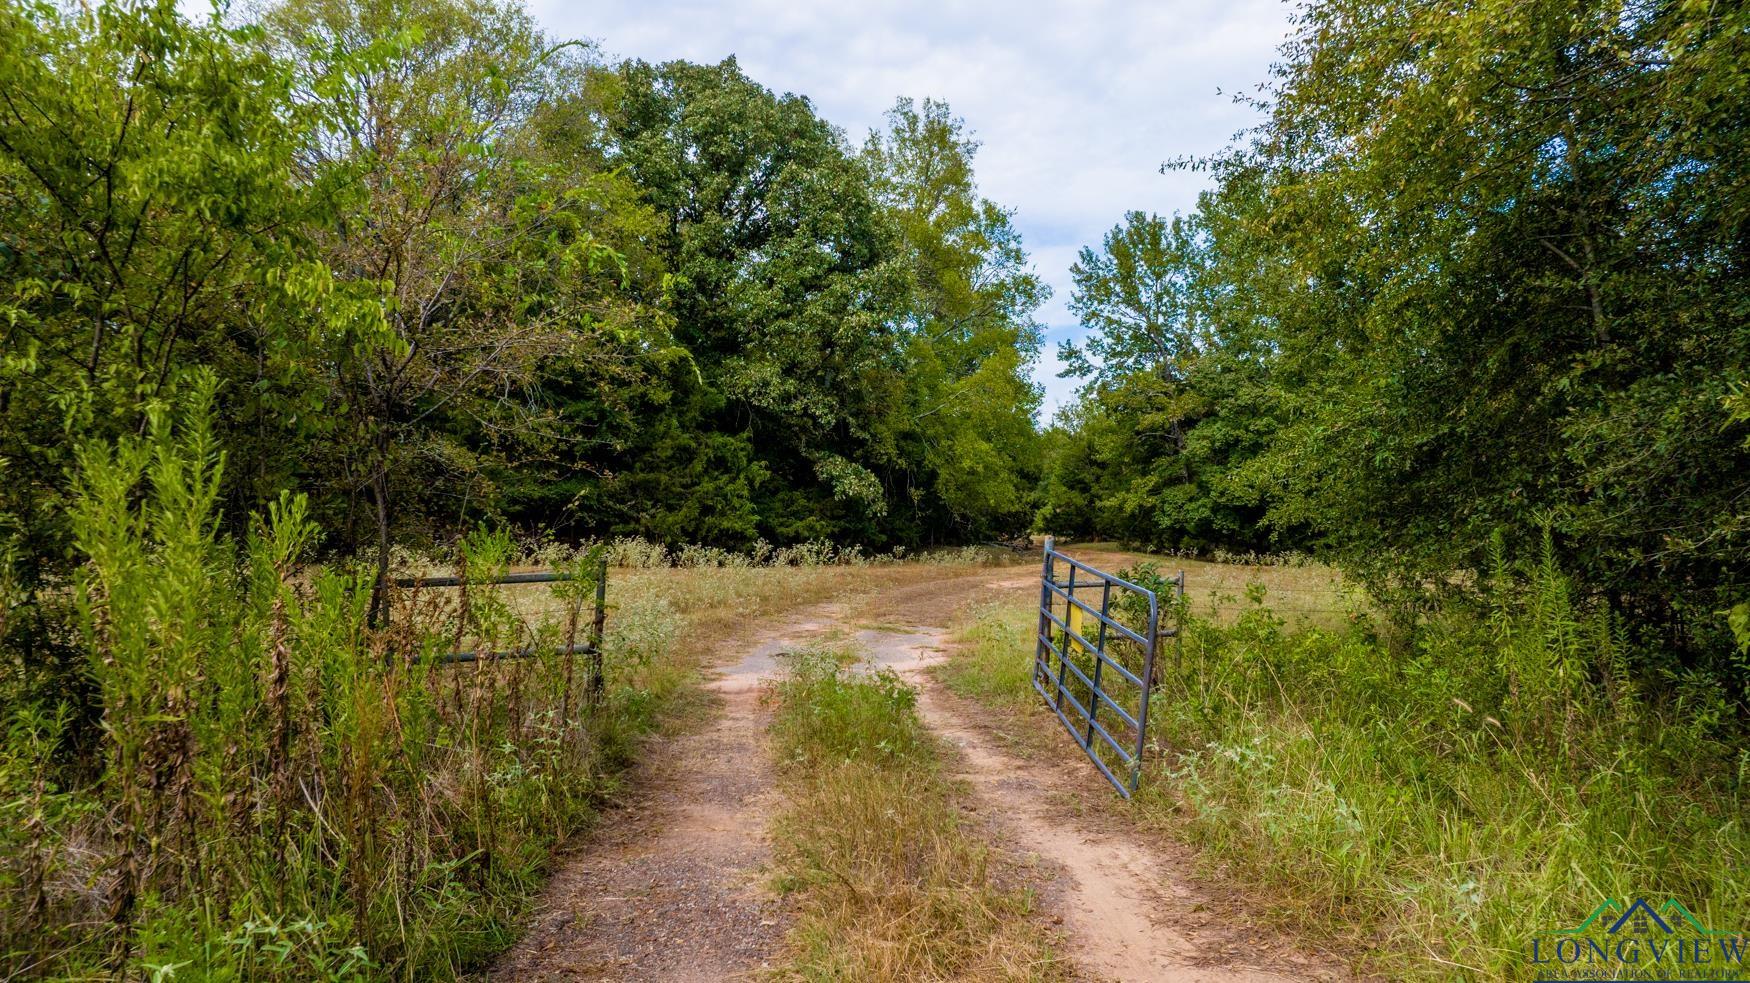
(482, 250)
(971, 452)
(1137, 299)
(1493, 258)
(154, 214)
(1176, 402)
(782, 290)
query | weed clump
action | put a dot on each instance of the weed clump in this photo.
(825, 713)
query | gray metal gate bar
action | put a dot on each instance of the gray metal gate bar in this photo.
(581, 648)
(450, 580)
(592, 647)
(1110, 753)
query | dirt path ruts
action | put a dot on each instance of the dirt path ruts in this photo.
(671, 888)
(1129, 909)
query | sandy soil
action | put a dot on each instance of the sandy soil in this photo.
(1129, 907)
(672, 889)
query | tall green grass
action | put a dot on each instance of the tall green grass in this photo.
(991, 665)
(280, 790)
(1435, 800)
(889, 882)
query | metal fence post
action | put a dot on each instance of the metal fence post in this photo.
(1068, 645)
(1148, 685)
(1099, 659)
(1179, 626)
(597, 666)
(1041, 650)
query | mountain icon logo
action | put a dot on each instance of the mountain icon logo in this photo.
(1632, 939)
(1641, 918)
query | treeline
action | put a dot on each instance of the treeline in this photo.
(281, 296)
(446, 269)
(1478, 278)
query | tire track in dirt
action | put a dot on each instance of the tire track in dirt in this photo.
(1131, 910)
(1131, 913)
(671, 887)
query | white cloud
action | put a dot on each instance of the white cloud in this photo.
(1076, 104)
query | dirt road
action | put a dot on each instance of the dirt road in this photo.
(673, 888)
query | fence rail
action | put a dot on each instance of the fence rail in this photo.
(527, 577)
(592, 646)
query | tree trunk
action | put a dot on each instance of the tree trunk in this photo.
(380, 493)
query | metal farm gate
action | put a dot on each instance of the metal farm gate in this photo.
(1099, 656)
(592, 646)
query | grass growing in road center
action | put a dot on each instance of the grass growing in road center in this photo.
(889, 882)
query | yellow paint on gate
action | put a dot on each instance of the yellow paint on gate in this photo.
(1075, 625)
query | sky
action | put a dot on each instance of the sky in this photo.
(1076, 105)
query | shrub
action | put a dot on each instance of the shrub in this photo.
(281, 790)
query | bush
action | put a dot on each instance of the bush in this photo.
(1500, 775)
(280, 789)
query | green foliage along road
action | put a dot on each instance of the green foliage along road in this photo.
(850, 332)
(284, 292)
(1479, 273)
(446, 268)
(342, 277)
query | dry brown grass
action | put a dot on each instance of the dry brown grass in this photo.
(1301, 592)
(724, 600)
(889, 880)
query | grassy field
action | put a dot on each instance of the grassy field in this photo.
(889, 882)
(1432, 805)
(1296, 588)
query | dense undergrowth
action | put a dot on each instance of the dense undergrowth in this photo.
(279, 789)
(1436, 799)
(871, 847)
(260, 784)
(241, 777)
